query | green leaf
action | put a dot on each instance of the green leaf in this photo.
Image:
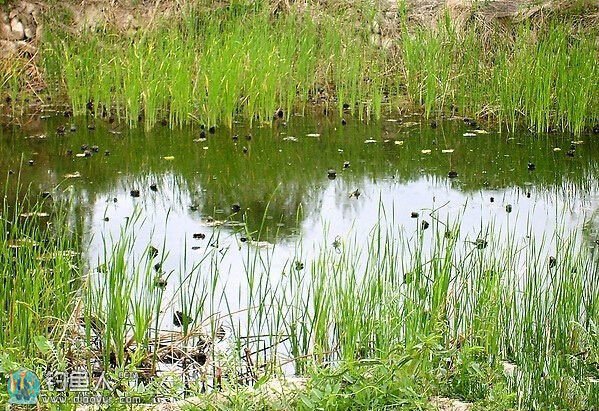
(43, 344)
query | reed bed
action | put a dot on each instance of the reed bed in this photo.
(211, 67)
(417, 312)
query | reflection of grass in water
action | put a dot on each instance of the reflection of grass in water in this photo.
(210, 66)
(448, 307)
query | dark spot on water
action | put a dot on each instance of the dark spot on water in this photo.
(212, 130)
(157, 267)
(356, 193)
(481, 243)
(343, 121)
(106, 153)
(106, 219)
(69, 152)
(433, 124)
(492, 199)
(531, 166)
(114, 200)
(164, 122)
(84, 147)
(31, 162)
(161, 282)
(61, 129)
(346, 164)
(235, 137)
(346, 106)
(95, 149)
(248, 137)
(235, 208)
(46, 194)
(152, 251)
(570, 153)
(424, 224)
(243, 239)
(181, 319)
(111, 119)
(508, 208)
(596, 129)
(202, 134)
(153, 187)
(245, 150)
(68, 113)
(11, 172)
(90, 105)
(452, 174)
(73, 128)
(280, 113)
(414, 214)
(552, 262)
(299, 266)
(199, 236)
(332, 174)
(528, 194)
(193, 207)
(134, 193)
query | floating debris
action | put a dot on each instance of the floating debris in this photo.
(356, 193)
(481, 243)
(160, 282)
(261, 244)
(181, 319)
(35, 214)
(152, 252)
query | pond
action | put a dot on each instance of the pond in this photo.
(232, 211)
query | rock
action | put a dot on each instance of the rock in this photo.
(17, 28)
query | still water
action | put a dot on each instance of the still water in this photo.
(289, 190)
